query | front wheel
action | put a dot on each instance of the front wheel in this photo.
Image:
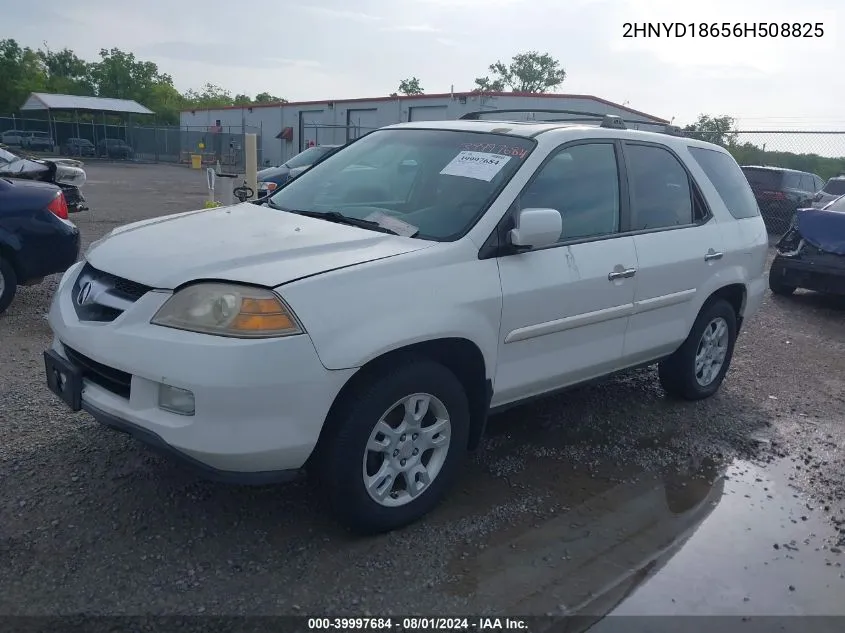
(396, 446)
(698, 367)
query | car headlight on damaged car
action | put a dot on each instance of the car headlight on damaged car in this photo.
(266, 188)
(228, 310)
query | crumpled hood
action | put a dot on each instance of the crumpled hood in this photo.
(245, 242)
(823, 229)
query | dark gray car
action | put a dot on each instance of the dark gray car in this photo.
(780, 192)
(833, 188)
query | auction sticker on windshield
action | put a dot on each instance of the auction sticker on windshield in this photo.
(478, 165)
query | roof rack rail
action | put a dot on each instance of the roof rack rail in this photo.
(579, 116)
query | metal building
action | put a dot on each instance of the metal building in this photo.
(287, 129)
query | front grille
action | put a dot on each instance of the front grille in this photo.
(107, 297)
(114, 380)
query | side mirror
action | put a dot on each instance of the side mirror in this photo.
(536, 228)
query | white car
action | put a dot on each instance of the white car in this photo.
(365, 330)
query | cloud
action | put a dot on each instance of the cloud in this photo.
(220, 56)
(413, 28)
(341, 14)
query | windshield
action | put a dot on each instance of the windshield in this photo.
(437, 181)
(763, 178)
(835, 186)
(303, 159)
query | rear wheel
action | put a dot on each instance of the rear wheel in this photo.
(396, 446)
(8, 284)
(698, 367)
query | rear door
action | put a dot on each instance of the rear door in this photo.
(679, 248)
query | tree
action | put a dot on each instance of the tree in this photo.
(714, 129)
(120, 76)
(266, 97)
(66, 73)
(485, 84)
(117, 74)
(210, 96)
(410, 86)
(526, 72)
(21, 72)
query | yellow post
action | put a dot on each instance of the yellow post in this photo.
(196, 161)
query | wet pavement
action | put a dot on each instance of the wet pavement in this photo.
(609, 499)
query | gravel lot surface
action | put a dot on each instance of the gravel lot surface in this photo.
(565, 498)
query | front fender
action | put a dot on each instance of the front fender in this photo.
(357, 314)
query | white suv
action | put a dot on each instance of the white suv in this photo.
(364, 322)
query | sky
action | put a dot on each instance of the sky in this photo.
(331, 49)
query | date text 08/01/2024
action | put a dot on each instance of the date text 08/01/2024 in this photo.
(724, 29)
(417, 624)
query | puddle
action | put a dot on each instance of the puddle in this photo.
(764, 550)
(719, 541)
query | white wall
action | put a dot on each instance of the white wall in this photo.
(334, 117)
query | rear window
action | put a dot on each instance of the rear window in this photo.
(763, 178)
(727, 178)
(835, 186)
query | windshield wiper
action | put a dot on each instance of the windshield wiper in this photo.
(339, 218)
(336, 217)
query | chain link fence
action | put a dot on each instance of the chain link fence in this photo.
(786, 169)
(147, 143)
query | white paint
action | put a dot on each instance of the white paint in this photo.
(541, 319)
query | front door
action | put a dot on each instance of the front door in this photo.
(566, 307)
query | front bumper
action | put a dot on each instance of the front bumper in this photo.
(259, 404)
(810, 275)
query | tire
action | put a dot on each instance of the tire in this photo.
(345, 459)
(777, 286)
(679, 373)
(8, 284)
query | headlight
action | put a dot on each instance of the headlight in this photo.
(269, 187)
(228, 310)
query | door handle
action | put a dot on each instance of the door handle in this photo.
(711, 255)
(621, 274)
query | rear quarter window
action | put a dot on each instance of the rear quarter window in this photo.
(728, 179)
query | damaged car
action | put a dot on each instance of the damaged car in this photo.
(811, 254)
(65, 173)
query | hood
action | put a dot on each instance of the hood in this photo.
(823, 229)
(273, 172)
(245, 242)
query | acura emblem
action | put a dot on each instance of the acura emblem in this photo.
(84, 293)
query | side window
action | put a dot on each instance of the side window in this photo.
(818, 182)
(582, 182)
(660, 189)
(807, 183)
(729, 180)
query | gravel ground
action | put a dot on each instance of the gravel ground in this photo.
(92, 521)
